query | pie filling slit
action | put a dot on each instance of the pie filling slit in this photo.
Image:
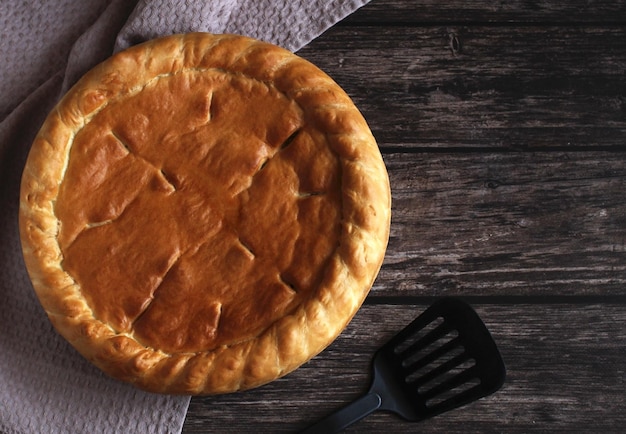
(153, 295)
(263, 164)
(168, 180)
(246, 248)
(97, 224)
(290, 139)
(121, 142)
(287, 283)
(209, 102)
(305, 194)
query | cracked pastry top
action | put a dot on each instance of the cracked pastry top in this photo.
(203, 213)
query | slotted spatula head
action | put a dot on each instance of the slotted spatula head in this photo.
(442, 360)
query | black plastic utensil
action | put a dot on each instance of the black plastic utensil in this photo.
(444, 359)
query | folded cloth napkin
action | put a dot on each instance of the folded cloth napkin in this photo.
(46, 386)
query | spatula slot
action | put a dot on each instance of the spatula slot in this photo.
(423, 367)
(430, 347)
(446, 376)
(417, 335)
(454, 393)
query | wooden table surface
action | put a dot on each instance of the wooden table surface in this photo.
(503, 127)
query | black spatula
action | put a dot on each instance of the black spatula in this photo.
(444, 359)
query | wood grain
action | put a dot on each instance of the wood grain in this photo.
(565, 373)
(501, 87)
(509, 12)
(540, 223)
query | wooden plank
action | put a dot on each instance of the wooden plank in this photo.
(542, 223)
(565, 373)
(511, 11)
(512, 87)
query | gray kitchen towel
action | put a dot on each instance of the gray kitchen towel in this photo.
(45, 385)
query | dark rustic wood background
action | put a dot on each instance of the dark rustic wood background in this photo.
(503, 125)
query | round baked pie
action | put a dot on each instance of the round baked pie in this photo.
(203, 213)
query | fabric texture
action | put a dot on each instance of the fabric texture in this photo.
(45, 385)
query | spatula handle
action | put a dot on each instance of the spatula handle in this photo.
(348, 415)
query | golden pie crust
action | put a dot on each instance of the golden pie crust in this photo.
(203, 213)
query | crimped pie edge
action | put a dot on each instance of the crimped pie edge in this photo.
(289, 342)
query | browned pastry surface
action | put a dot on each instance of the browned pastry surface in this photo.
(203, 214)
